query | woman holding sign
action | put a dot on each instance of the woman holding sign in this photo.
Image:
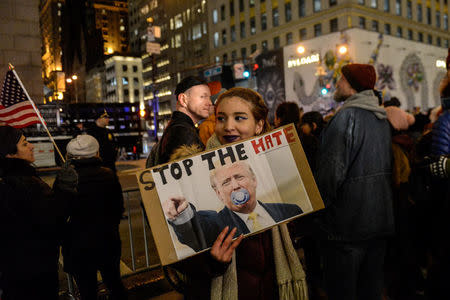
(263, 266)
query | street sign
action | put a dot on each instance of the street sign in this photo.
(213, 71)
(153, 48)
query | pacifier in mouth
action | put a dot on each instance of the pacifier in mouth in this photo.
(240, 196)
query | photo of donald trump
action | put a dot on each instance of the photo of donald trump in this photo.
(235, 186)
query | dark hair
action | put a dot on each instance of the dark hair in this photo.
(288, 112)
(313, 117)
(9, 137)
(445, 93)
(187, 83)
(258, 107)
(393, 102)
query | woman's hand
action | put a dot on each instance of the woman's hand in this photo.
(223, 248)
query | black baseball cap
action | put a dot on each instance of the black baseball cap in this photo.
(187, 83)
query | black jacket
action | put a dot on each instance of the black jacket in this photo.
(180, 131)
(31, 221)
(95, 213)
(107, 143)
(354, 176)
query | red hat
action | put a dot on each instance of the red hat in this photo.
(361, 77)
(448, 59)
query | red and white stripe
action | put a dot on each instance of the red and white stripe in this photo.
(18, 115)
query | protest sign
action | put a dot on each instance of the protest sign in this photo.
(252, 185)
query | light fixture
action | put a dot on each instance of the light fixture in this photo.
(342, 49)
(69, 80)
(301, 49)
(74, 77)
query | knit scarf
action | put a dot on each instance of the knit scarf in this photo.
(291, 278)
(366, 100)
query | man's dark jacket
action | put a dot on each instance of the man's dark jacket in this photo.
(354, 176)
(32, 216)
(107, 143)
(441, 135)
(92, 233)
(180, 131)
(201, 232)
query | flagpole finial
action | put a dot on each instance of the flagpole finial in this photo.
(11, 67)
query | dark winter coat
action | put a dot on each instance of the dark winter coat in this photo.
(441, 135)
(32, 216)
(180, 131)
(107, 143)
(93, 229)
(354, 176)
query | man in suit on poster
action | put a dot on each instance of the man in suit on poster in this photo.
(235, 185)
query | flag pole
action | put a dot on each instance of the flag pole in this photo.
(11, 67)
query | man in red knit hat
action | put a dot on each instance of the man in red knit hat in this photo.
(354, 179)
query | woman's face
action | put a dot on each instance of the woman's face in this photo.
(235, 121)
(24, 150)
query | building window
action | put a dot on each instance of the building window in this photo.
(317, 5)
(233, 55)
(362, 22)
(275, 17)
(317, 30)
(124, 68)
(361, 2)
(263, 21)
(126, 92)
(178, 21)
(264, 45)
(243, 53)
(242, 27)
(430, 39)
(438, 19)
(136, 93)
(387, 28)
(135, 80)
(410, 34)
(233, 33)
(289, 38)
(216, 39)
(375, 25)
(419, 13)
(135, 69)
(428, 16)
(241, 5)
(225, 57)
(445, 21)
(334, 25)
(222, 12)
(288, 12)
(420, 37)
(252, 26)
(231, 8)
(276, 42)
(438, 41)
(301, 8)
(409, 9)
(302, 34)
(224, 37)
(332, 2)
(252, 3)
(215, 16)
(399, 32)
(386, 5)
(398, 7)
(124, 80)
(253, 48)
(178, 40)
(446, 43)
(374, 3)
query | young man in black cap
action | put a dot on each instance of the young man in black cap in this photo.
(354, 179)
(106, 140)
(193, 105)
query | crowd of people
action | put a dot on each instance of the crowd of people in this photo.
(383, 175)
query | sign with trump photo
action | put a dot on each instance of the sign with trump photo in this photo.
(249, 185)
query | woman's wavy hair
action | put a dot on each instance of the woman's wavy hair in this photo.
(256, 101)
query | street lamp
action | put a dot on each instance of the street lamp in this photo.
(73, 79)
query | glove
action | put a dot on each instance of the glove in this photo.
(441, 167)
(67, 177)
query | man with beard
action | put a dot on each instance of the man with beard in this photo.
(354, 179)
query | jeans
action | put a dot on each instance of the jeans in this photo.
(354, 270)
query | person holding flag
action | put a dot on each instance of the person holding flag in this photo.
(31, 213)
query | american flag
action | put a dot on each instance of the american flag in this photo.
(15, 108)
